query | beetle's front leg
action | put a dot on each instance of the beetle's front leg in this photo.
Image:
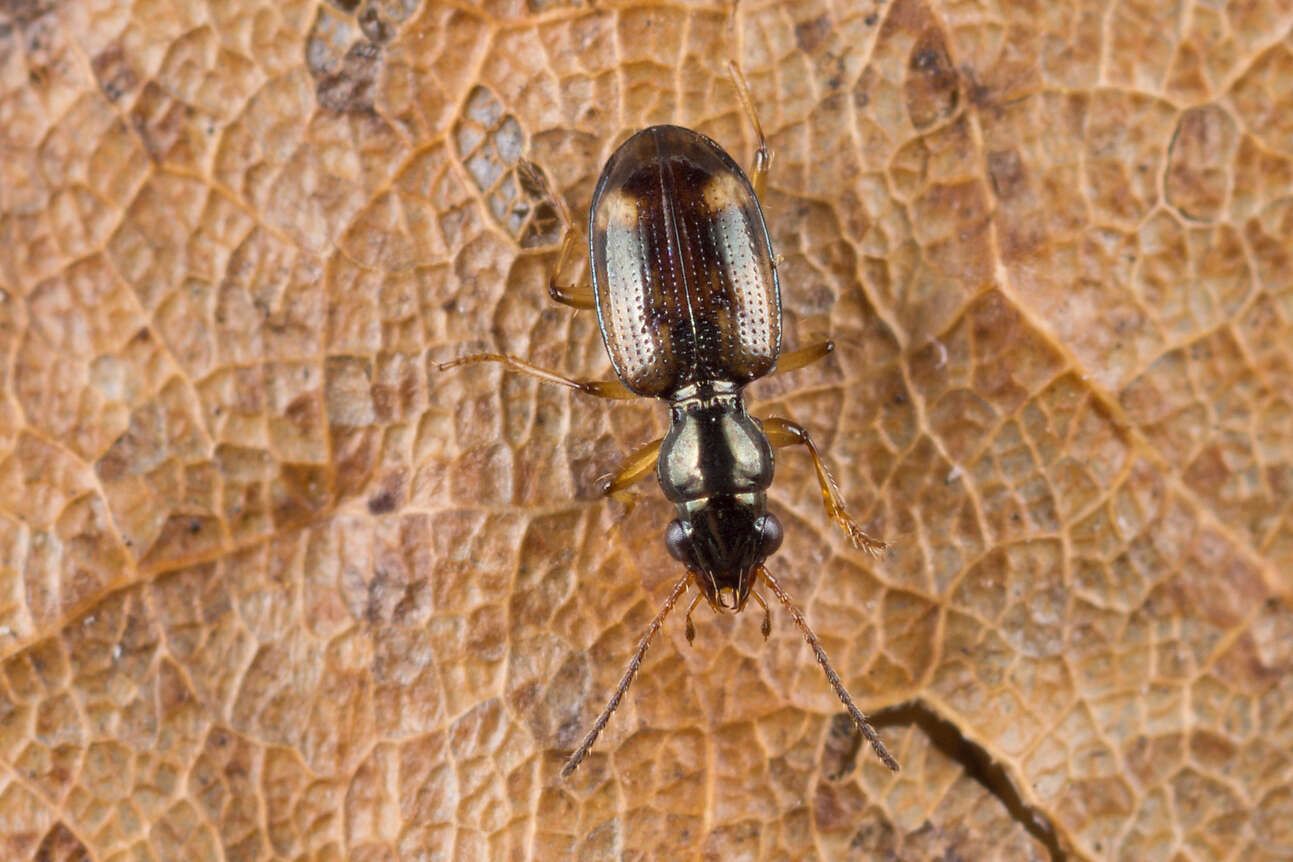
(634, 469)
(783, 432)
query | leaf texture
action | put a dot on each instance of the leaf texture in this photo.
(272, 587)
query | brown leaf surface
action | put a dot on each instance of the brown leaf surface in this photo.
(271, 587)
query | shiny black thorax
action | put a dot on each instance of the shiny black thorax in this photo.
(690, 311)
(713, 448)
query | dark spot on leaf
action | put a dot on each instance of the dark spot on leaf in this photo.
(160, 121)
(389, 493)
(931, 89)
(350, 89)
(843, 741)
(115, 75)
(1007, 173)
(24, 12)
(60, 844)
(876, 836)
(373, 26)
(810, 34)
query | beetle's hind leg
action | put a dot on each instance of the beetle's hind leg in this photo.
(763, 157)
(578, 296)
(783, 432)
(600, 388)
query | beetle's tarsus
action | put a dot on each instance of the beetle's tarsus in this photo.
(873, 546)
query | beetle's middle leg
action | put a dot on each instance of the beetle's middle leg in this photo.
(578, 296)
(763, 157)
(783, 432)
(804, 356)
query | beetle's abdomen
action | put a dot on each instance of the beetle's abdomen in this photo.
(682, 265)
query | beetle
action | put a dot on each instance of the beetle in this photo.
(688, 300)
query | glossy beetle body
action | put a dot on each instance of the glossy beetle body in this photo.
(690, 311)
(685, 285)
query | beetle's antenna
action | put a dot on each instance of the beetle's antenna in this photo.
(627, 679)
(831, 676)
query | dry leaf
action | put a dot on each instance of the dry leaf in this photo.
(271, 587)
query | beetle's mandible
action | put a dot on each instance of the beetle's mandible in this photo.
(684, 282)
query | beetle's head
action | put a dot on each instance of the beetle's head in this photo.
(723, 540)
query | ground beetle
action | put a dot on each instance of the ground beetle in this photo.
(685, 286)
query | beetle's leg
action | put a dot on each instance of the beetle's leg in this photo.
(804, 356)
(573, 295)
(763, 157)
(600, 388)
(783, 432)
(635, 468)
(578, 296)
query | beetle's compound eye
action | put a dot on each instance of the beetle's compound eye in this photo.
(677, 538)
(769, 535)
